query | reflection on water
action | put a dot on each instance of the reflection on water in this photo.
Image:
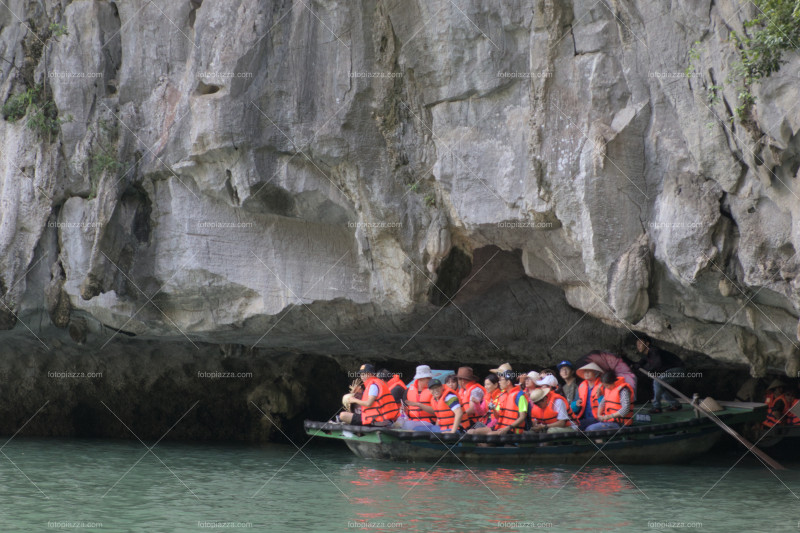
(188, 487)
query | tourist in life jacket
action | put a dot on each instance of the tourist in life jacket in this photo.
(616, 407)
(418, 397)
(589, 394)
(492, 386)
(512, 408)
(471, 395)
(449, 415)
(569, 389)
(395, 384)
(377, 404)
(667, 366)
(530, 380)
(776, 404)
(549, 410)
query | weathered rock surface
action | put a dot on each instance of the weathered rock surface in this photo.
(322, 177)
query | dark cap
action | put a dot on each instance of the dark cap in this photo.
(564, 363)
(434, 383)
(366, 368)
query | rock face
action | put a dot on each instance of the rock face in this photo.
(335, 177)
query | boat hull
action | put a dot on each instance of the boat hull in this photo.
(666, 438)
(668, 449)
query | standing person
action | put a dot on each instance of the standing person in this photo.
(471, 394)
(418, 396)
(449, 415)
(570, 387)
(666, 366)
(379, 405)
(589, 394)
(616, 407)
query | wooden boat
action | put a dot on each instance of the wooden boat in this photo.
(669, 437)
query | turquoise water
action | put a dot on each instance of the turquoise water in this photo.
(274, 488)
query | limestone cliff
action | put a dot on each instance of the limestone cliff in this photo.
(408, 178)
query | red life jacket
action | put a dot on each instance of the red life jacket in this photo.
(613, 403)
(507, 410)
(414, 395)
(583, 392)
(548, 414)
(444, 415)
(395, 381)
(463, 397)
(773, 417)
(384, 408)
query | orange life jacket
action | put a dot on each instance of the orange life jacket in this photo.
(773, 417)
(395, 381)
(463, 397)
(384, 408)
(414, 395)
(444, 415)
(548, 414)
(492, 399)
(583, 392)
(613, 403)
(507, 410)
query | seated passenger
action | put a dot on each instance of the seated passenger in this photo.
(396, 385)
(570, 387)
(615, 408)
(550, 411)
(379, 406)
(471, 395)
(449, 415)
(589, 393)
(492, 392)
(530, 382)
(418, 396)
(512, 408)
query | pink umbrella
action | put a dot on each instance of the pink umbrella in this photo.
(609, 361)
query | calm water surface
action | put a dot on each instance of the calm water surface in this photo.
(72, 485)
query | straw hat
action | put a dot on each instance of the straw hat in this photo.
(539, 394)
(346, 399)
(505, 367)
(710, 404)
(590, 366)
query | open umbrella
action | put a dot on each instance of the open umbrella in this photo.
(609, 361)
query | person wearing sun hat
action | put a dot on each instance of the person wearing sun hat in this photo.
(590, 393)
(549, 410)
(418, 396)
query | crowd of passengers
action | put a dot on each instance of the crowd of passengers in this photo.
(587, 399)
(504, 402)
